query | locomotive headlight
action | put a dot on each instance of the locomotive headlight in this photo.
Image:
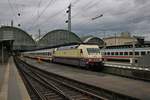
(90, 59)
(100, 59)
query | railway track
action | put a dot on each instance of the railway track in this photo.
(129, 72)
(68, 89)
(46, 87)
(38, 89)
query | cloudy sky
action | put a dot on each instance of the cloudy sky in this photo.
(118, 16)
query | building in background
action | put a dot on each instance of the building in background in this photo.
(93, 40)
(124, 39)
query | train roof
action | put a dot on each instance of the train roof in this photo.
(126, 49)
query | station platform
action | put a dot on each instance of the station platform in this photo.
(126, 86)
(125, 66)
(11, 84)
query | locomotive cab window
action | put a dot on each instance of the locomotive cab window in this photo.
(93, 50)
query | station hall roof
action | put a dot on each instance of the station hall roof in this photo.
(92, 40)
(58, 37)
(22, 40)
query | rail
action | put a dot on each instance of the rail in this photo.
(89, 91)
(69, 92)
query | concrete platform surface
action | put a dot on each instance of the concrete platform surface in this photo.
(11, 84)
(126, 86)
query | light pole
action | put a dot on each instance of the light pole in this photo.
(133, 50)
(97, 17)
(2, 54)
(69, 17)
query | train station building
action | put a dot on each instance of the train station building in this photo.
(21, 72)
(93, 40)
(124, 39)
(12, 38)
(57, 38)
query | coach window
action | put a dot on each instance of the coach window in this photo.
(121, 53)
(136, 53)
(148, 52)
(112, 53)
(130, 53)
(125, 53)
(143, 53)
(107, 53)
(116, 53)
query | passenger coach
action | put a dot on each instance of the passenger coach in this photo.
(124, 55)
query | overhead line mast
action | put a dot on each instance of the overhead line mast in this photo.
(69, 17)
